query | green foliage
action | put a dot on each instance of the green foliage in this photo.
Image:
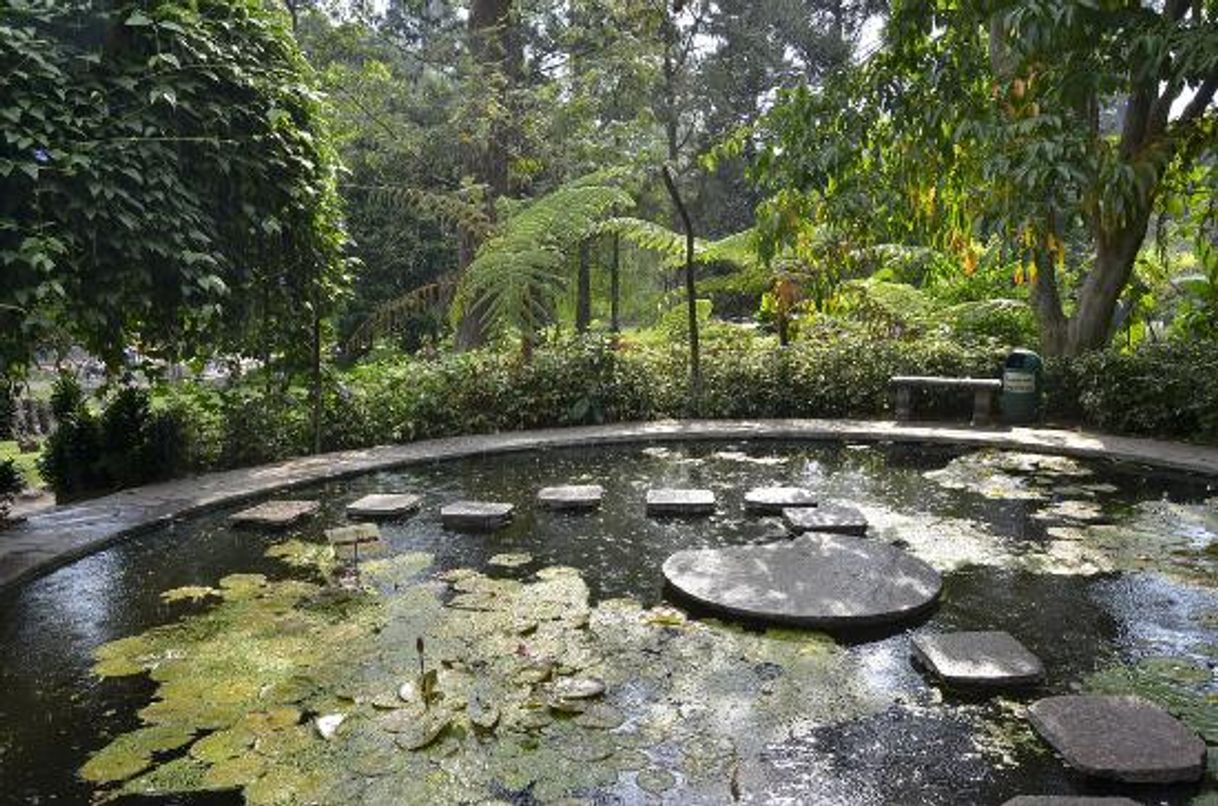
(1047, 126)
(11, 483)
(1165, 390)
(128, 444)
(69, 461)
(515, 280)
(168, 183)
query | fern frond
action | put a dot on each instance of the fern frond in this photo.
(391, 316)
(518, 273)
(452, 208)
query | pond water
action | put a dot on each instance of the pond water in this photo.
(1105, 572)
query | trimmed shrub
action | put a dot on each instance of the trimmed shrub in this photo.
(69, 461)
(1167, 391)
(8, 409)
(11, 483)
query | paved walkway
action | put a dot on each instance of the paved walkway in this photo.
(55, 537)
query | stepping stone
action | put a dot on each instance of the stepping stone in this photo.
(1067, 800)
(350, 535)
(384, 505)
(978, 659)
(680, 502)
(276, 514)
(1119, 737)
(476, 515)
(571, 496)
(821, 581)
(836, 518)
(773, 500)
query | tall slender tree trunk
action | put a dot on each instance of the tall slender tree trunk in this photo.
(497, 51)
(615, 288)
(695, 356)
(583, 293)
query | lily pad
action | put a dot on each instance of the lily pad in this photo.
(510, 560)
(192, 593)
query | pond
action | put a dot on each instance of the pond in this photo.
(213, 693)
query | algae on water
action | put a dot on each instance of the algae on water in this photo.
(518, 670)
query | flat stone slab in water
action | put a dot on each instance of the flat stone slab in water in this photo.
(981, 659)
(349, 535)
(836, 518)
(821, 581)
(384, 505)
(476, 514)
(276, 513)
(1067, 800)
(571, 496)
(776, 499)
(669, 501)
(1122, 738)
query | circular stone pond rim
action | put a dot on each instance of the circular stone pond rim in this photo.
(53, 538)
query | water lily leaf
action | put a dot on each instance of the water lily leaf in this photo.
(132, 753)
(510, 560)
(235, 772)
(222, 745)
(578, 688)
(655, 781)
(193, 593)
(423, 731)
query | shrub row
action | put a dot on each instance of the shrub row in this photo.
(1166, 391)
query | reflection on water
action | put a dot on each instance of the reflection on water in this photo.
(1005, 569)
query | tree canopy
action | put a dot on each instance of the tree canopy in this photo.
(1058, 129)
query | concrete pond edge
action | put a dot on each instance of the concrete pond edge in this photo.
(56, 537)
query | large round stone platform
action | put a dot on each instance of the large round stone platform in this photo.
(823, 581)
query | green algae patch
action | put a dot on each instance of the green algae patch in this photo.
(1008, 475)
(457, 687)
(510, 560)
(189, 593)
(133, 753)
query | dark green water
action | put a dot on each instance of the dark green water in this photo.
(923, 748)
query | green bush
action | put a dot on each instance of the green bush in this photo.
(69, 463)
(835, 369)
(130, 443)
(8, 409)
(11, 483)
(1165, 390)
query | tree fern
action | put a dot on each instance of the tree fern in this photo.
(392, 315)
(521, 270)
(460, 209)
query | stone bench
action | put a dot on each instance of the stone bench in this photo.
(983, 390)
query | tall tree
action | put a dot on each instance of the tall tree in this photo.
(1055, 126)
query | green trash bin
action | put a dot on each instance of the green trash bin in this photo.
(1023, 384)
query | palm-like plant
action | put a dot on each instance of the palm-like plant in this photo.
(518, 274)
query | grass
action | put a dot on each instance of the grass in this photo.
(27, 463)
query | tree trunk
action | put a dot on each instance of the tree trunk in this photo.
(494, 44)
(615, 290)
(583, 299)
(316, 391)
(1115, 254)
(695, 365)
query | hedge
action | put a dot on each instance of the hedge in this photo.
(1165, 391)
